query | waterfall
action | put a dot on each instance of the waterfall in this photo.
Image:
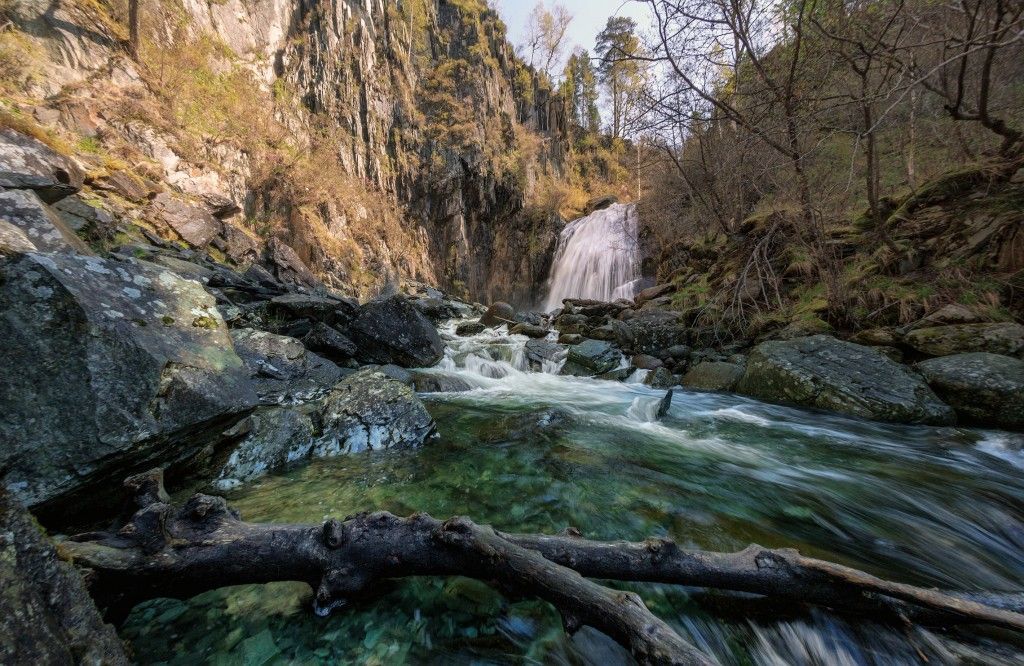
(597, 257)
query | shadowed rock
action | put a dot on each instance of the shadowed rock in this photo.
(26, 163)
(981, 387)
(391, 330)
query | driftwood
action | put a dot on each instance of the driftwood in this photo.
(167, 551)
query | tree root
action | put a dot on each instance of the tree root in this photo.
(166, 551)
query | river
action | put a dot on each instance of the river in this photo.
(536, 451)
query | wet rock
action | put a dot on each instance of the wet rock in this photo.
(39, 223)
(391, 330)
(365, 411)
(645, 362)
(591, 357)
(330, 343)
(600, 203)
(983, 388)
(532, 318)
(820, 371)
(713, 376)
(997, 338)
(28, 164)
(468, 328)
(606, 333)
(439, 383)
(282, 369)
(538, 352)
(109, 368)
(46, 613)
(570, 338)
(193, 224)
(398, 374)
(664, 405)
(660, 378)
(530, 330)
(497, 314)
(616, 375)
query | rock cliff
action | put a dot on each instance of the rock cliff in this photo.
(379, 140)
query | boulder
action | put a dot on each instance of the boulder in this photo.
(983, 388)
(570, 338)
(28, 164)
(997, 338)
(330, 343)
(390, 330)
(292, 306)
(110, 368)
(954, 313)
(651, 331)
(79, 215)
(438, 310)
(540, 352)
(823, 372)
(591, 357)
(40, 224)
(124, 184)
(661, 378)
(654, 292)
(237, 244)
(713, 376)
(497, 314)
(802, 328)
(875, 337)
(366, 411)
(282, 369)
(664, 405)
(46, 613)
(432, 382)
(599, 203)
(194, 225)
(616, 375)
(645, 362)
(468, 328)
(530, 330)
(571, 323)
(13, 240)
(678, 352)
(287, 266)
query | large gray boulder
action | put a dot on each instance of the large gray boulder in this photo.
(823, 372)
(193, 224)
(282, 369)
(109, 368)
(499, 313)
(996, 338)
(591, 357)
(46, 613)
(651, 331)
(366, 411)
(391, 330)
(983, 388)
(713, 376)
(543, 352)
(42, 226)
(28, 164)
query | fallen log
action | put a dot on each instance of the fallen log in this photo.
(166, 551)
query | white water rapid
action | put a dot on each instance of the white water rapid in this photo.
(597, 257)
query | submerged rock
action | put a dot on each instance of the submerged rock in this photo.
(713, 376)
(391, 330)
(109, 368)
(591, 357)
(26, 163)
(46, 613)
(997, 338)
(365, 411)
(821, 371)
(983, 388)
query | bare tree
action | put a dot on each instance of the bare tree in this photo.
(544, 40)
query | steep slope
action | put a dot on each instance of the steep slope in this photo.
(380, 140)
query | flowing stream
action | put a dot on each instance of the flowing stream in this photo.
(597, 257)
(534, 451)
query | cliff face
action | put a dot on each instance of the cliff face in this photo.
(421, 134)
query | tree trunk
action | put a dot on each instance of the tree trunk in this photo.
(133, 29)
(167, 551)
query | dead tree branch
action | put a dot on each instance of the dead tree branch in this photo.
(168, 551)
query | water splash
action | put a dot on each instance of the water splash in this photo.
(597, 257)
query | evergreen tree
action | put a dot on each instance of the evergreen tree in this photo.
(580, 88)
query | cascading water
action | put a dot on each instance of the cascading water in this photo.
(597, 257)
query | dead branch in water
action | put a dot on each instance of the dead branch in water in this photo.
(168, 551)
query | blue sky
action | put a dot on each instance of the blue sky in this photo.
(589, 17)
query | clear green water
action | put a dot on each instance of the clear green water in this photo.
(536, 452)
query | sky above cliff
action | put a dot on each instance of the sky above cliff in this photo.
(589, 17)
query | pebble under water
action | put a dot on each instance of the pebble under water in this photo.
(534, 451)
